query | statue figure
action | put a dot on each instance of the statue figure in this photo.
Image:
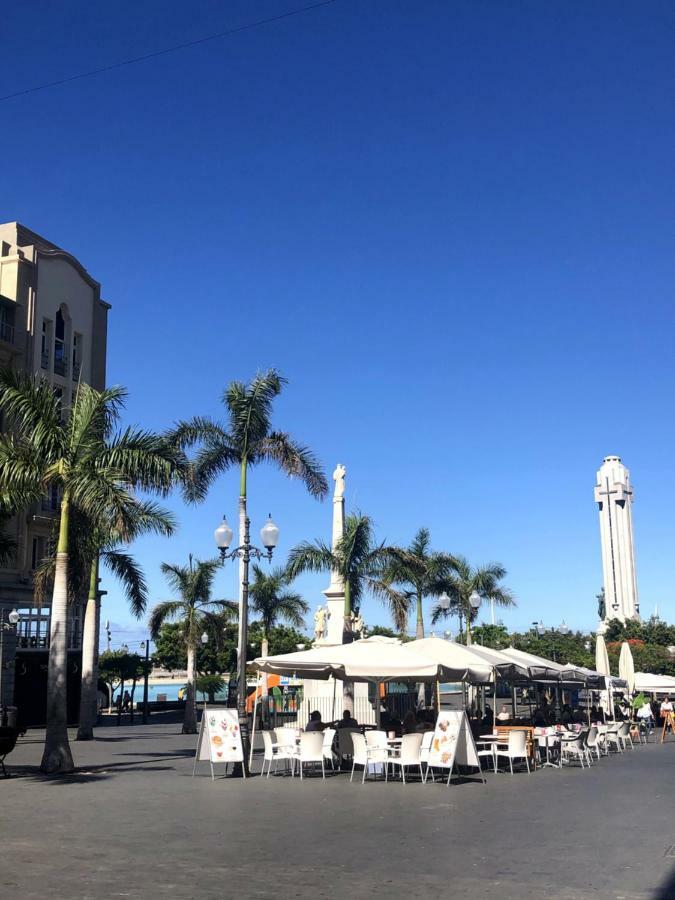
(359, 626)
(319, 623)
(339, 479)
(602, 606)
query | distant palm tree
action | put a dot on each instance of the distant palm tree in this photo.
(95, 470)
(272, 603)
(194, 609)
(246, 440)
(357, 560)
(418, 572)
(461, 584)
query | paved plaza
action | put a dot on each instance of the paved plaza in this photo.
(133, 823)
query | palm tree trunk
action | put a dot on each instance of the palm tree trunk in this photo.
(57, 757)
(347, 635)
(419, 634)
(88, 688)
(190, 716)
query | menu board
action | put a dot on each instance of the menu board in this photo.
(453, 743)
(219, 737)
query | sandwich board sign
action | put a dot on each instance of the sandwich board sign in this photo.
(219, 738)
(453, 743)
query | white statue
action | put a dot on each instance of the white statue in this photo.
(319, 623)
(339, 479)
(359, 626)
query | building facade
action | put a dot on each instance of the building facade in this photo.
(614, 496)
(53, 324)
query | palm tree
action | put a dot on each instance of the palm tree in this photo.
(463, 581)
(418, 572)
(270, 600)
(246, 440)
(356, 560)
(194, 609)
(94, 470)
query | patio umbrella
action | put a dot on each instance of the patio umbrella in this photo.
(602, 666)
(459, 663)
(627, 666)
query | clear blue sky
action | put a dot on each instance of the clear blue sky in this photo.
(449, 224)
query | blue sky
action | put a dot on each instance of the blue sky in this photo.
(448, 224)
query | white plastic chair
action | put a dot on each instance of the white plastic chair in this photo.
(345, 744)
(612, 739)
(593, 741)
(273, 753)
(362, 755)
(573, 748)
(328, 735)
(488, 752)
(516, 749)
(624, 736)
(311, 750)
(409, 756)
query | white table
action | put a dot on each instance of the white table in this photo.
(546, 740)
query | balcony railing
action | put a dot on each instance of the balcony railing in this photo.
(6, 332)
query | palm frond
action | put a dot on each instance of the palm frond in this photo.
(164, 612)
(293, 459)
(250, 408)
(130, 575)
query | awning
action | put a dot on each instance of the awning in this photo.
(654, 684)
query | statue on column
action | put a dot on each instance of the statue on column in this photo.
(359, 626)
(339, 479)
(320, 620)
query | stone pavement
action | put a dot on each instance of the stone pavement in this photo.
(133, 823)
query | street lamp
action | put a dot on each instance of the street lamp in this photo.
(447, 635)
(541, 628)
(474, 604)
(562, 628)
(204, 639)
(269, 535)
(9, 625)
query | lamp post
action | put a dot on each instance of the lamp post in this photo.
(145, 645)
(474, 606)
(9, 625)
(269, 535)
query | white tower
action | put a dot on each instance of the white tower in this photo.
(614, 496)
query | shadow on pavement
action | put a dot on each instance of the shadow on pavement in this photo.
(667, 889)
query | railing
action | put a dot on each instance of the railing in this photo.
(6, 332)
(45, 359)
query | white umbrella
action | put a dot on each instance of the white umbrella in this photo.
(602, 666)
(654, 684)
(627, 666)
(459, 663)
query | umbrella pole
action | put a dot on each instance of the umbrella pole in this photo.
(255, 710)
(334, 687)
(378, 704)
(494, 701)
(438, 696)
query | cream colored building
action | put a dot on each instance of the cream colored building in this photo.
(53, 323)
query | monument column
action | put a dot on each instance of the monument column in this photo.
(335, 592)
(614, 496)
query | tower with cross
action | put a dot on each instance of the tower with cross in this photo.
(614, 496)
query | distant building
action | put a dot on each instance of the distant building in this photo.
(53, 323)
(614, 496)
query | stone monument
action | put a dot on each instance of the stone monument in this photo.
(614, 496)
(335, 592)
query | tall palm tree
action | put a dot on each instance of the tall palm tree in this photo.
(271, 602)
(418, 572)
(194, 609)
(245, 440)
(357, 560)
(95, 470)
(463, 581)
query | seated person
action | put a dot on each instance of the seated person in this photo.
(578, 716)
(348, 720)
(410, 722)
(503, 715)
(566, 717)
(539, 718)
(315, 723)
